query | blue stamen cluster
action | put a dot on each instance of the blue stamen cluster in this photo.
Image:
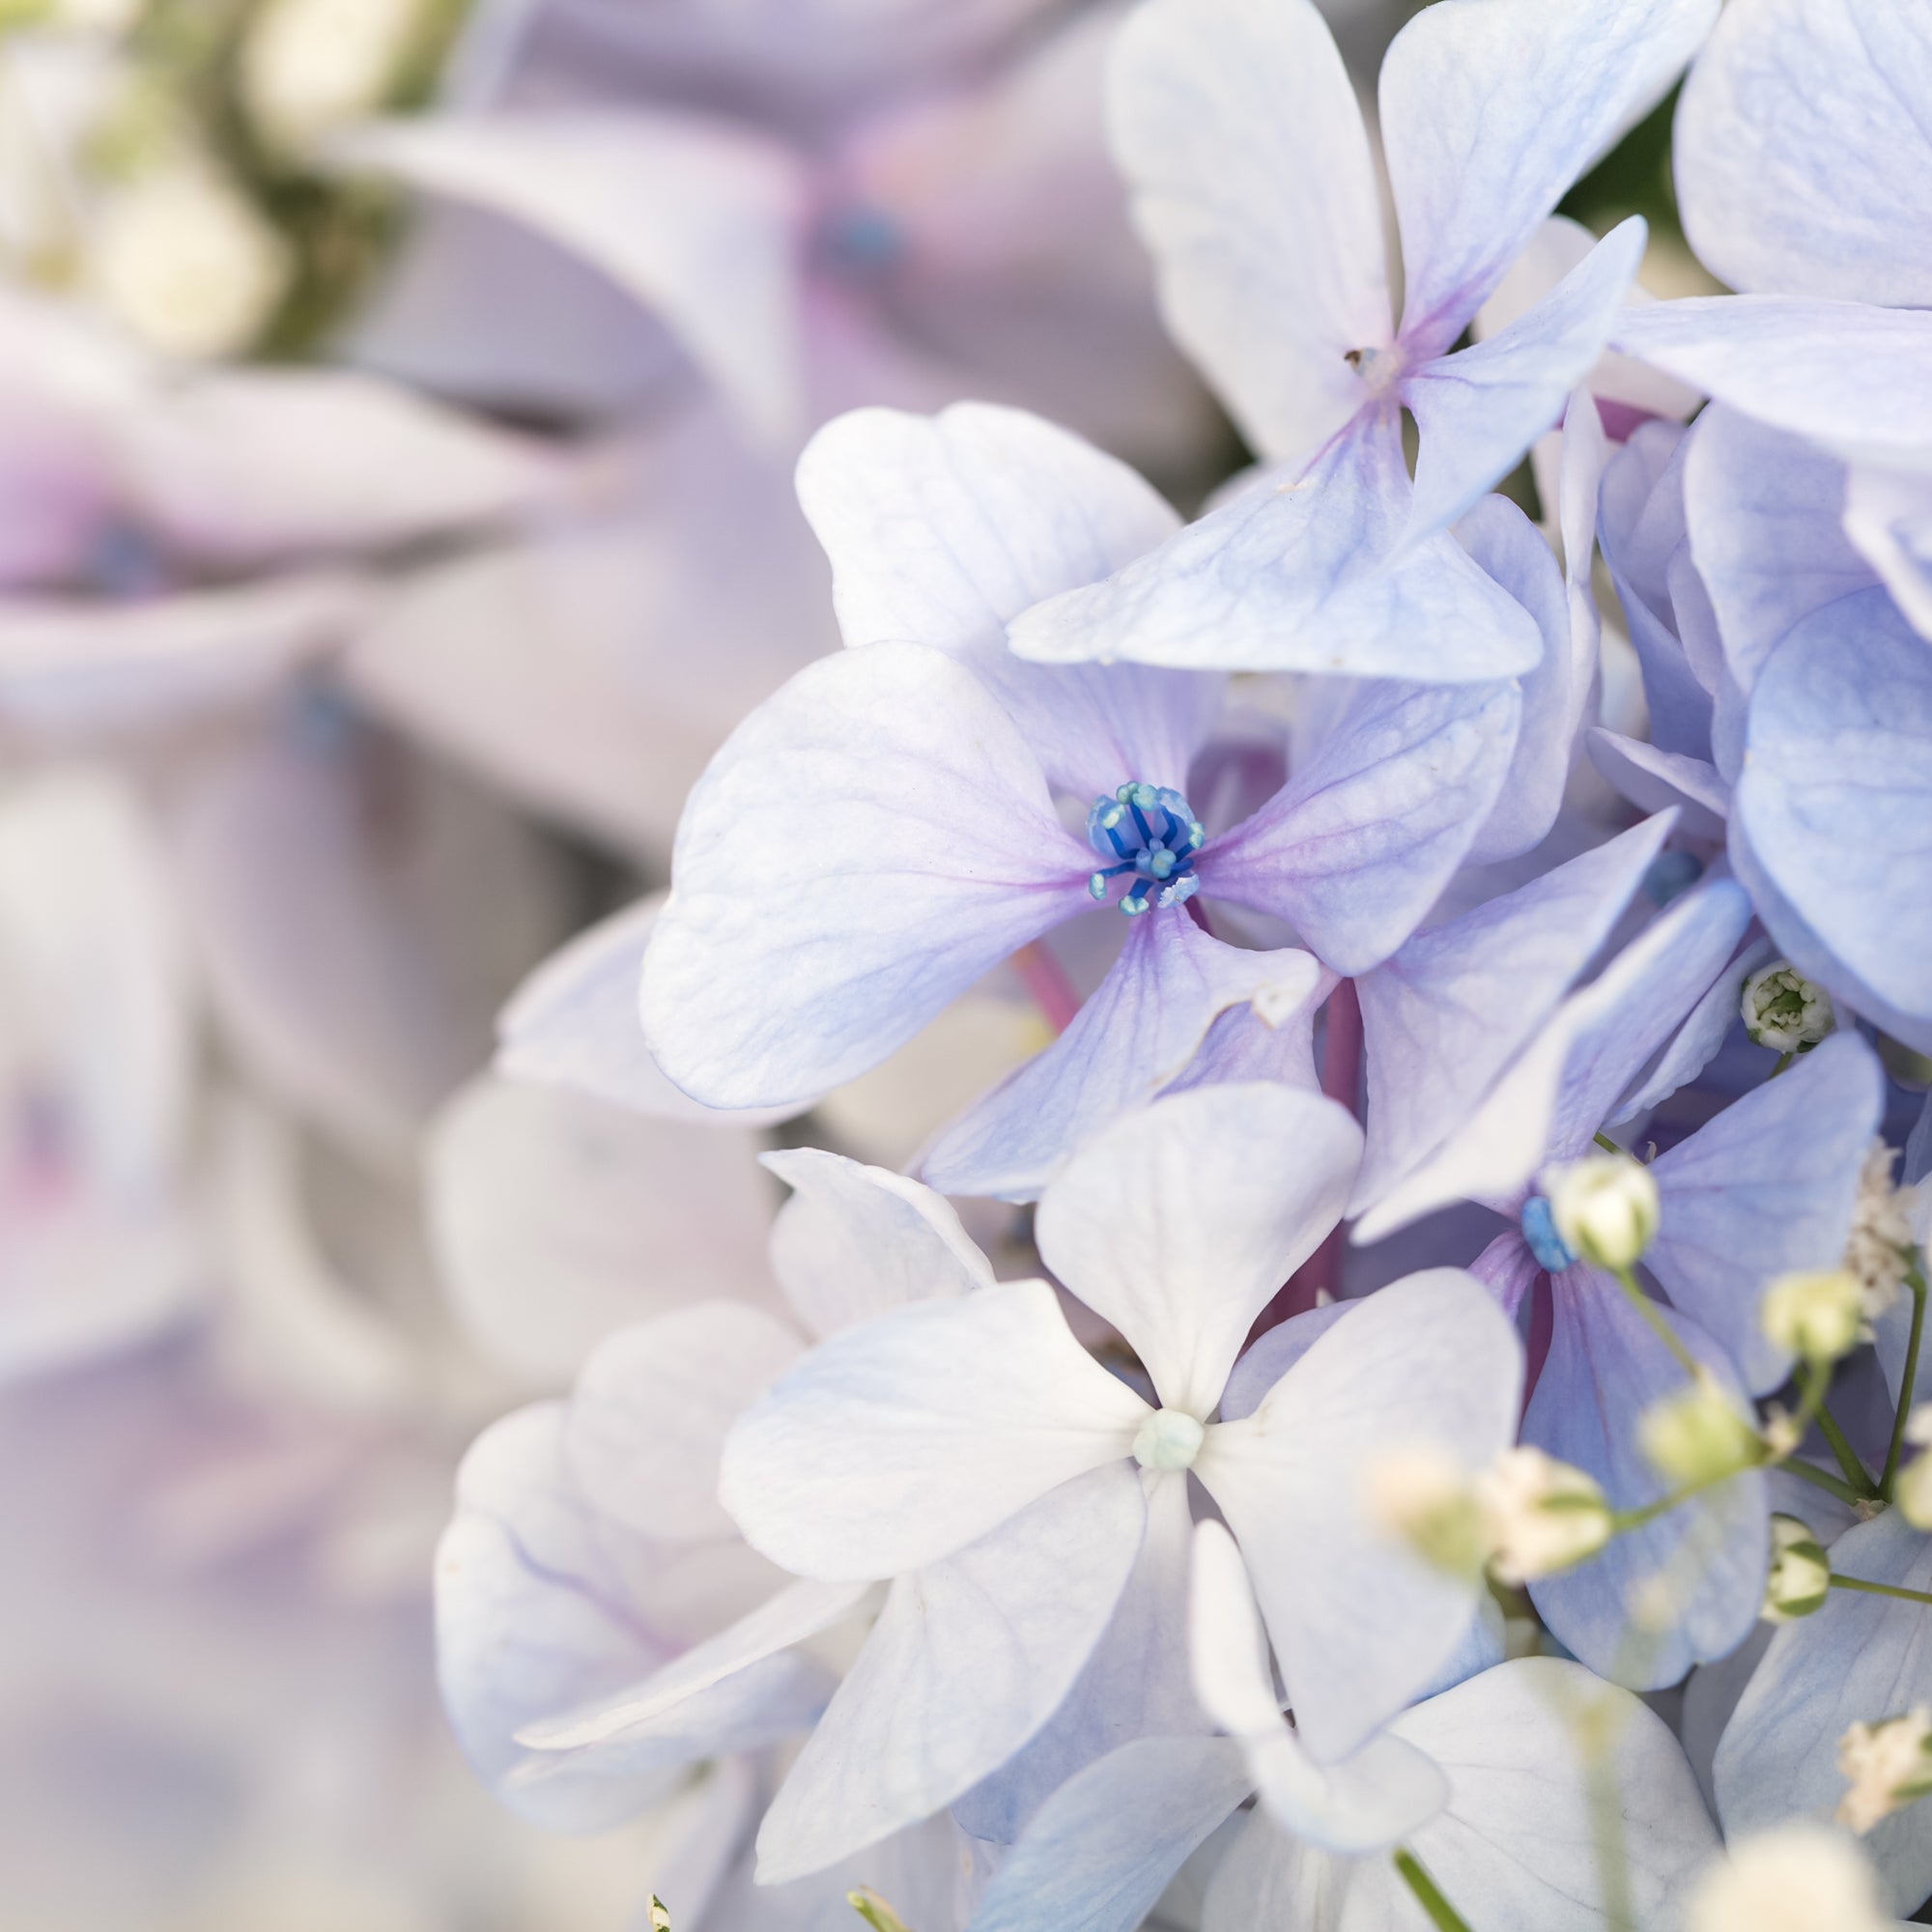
(1539, 1230)
(1151, 835)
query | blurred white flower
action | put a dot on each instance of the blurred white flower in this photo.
(311, 67)
(184, 259)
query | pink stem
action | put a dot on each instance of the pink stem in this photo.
(1048, 985)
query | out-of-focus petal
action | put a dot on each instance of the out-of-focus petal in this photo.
(360, 914)
(695, 218)
(558, 1219)
(573, 1024)
(78, 668)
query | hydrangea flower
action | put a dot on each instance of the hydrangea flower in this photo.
(976, 1441)
(1489, 110)
(780, 967)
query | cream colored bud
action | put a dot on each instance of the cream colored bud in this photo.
(1540, 1515)
(1800, 1573)
(1886, 1766)
(1800, 1878)
(1818, 1316)
(182, 258)
(1696, 1437)
(1604, 1208)
(1424, 1498)
(311, 67)
(1912, 1491)
(1784, 1010)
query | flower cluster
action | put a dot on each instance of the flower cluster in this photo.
(1244, 1537)
(1348, 1062)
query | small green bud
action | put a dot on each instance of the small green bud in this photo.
(1818, 1316)
(1540, 1515)
(1604, 1208)
(1800, 1573)
(1696, 1437)
(1784, 1010)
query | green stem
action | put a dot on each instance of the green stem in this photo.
(1635, 1519)
(1914, 1282)
(1609, 1146)
(1442, 1914)
(1855, 1473)
(1659, 1326)
(1818, 1479)
(1784, 1060)
(1880, 1589)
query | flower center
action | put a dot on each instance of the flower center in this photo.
(1152, 835)
(1539, 1230)
(1170, 1439)
(857, 242)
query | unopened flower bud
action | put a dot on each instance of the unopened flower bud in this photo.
(1540, 1515)
(1887, 1766)
(1911, 1489)
(1800, 1878)
(182, 257)
(1424, 1498)
(1800, 1573)
(1696, 1437)
(1784, 1010)
(1816, 1316)
(1604, 1208)
(310, 67)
